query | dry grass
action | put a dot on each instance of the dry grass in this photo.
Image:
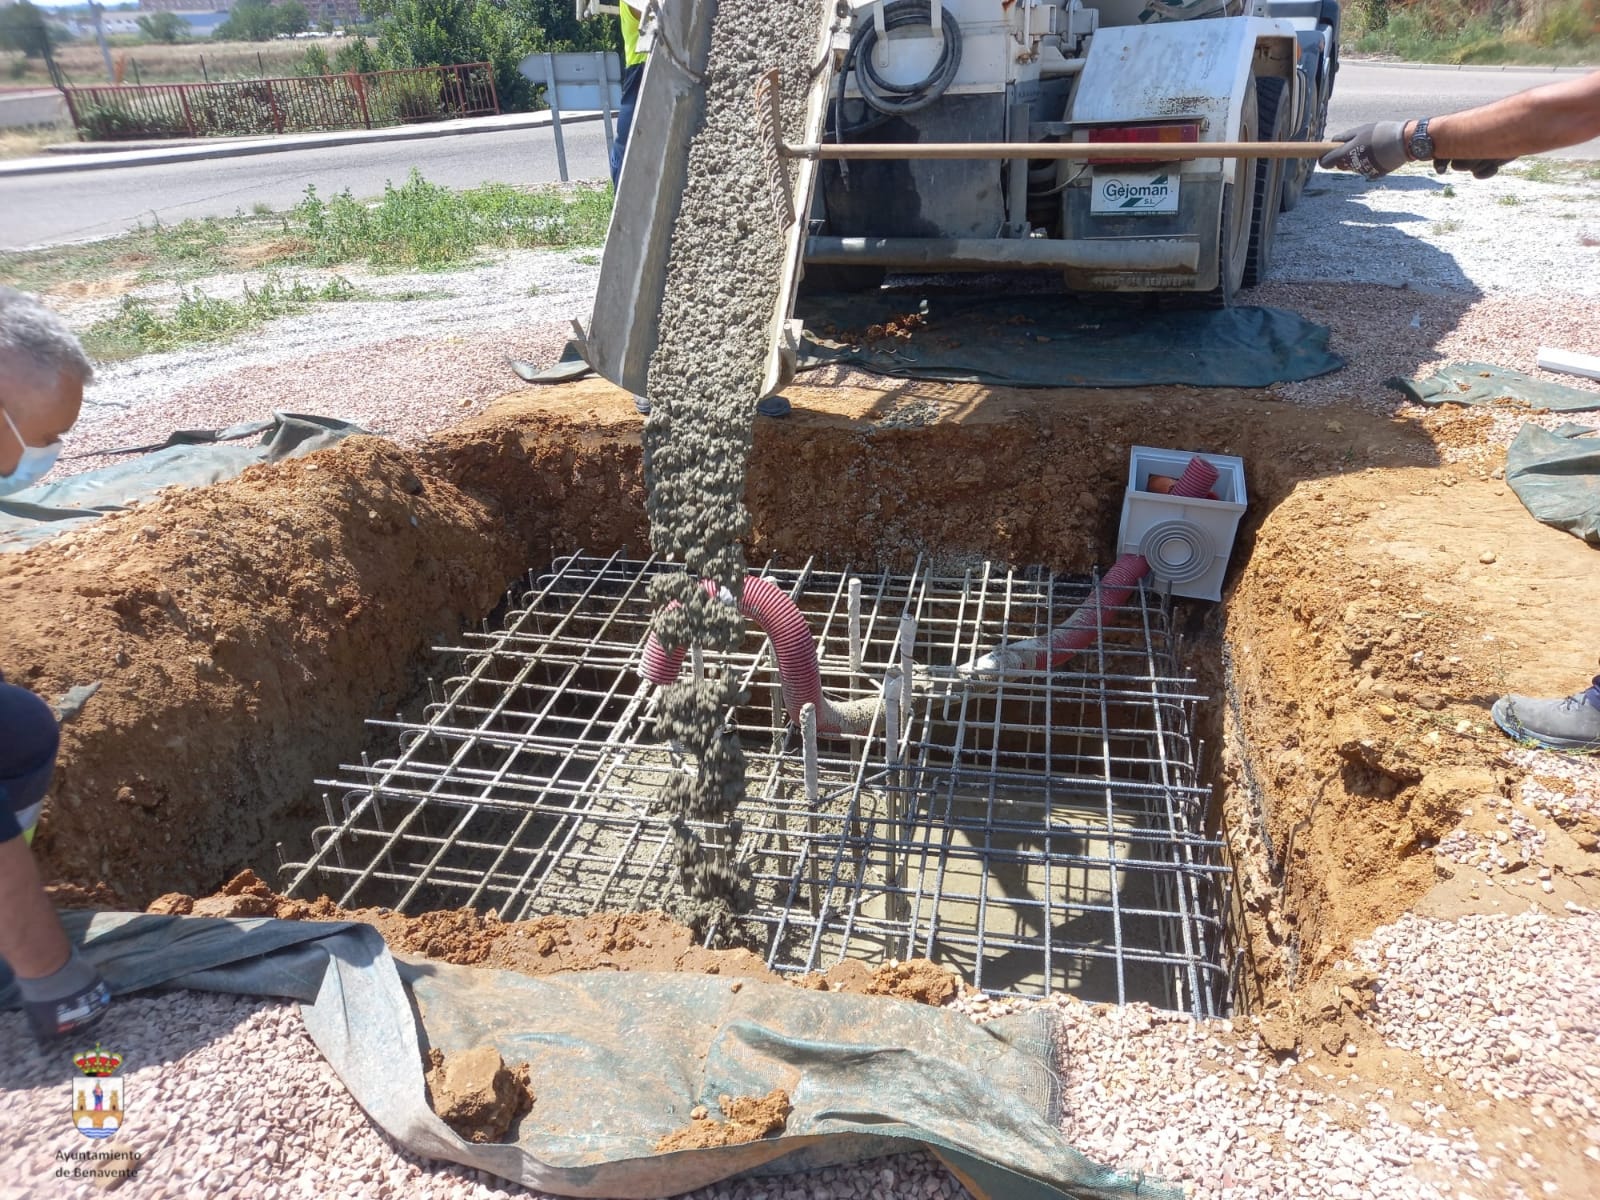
(168, 64)
(24, 143)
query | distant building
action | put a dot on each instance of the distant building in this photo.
(339, 12)
(184, 8)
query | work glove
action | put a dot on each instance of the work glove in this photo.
(66, 1003)
(1481, 168)
(1374, 150)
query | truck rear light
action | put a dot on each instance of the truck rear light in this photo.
(1175, 132)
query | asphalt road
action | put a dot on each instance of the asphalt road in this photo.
(76, 206)
(1378, 92)
(79, 205)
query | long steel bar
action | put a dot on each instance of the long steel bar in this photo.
(1144, 151)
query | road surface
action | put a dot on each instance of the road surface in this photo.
(77, 206)
(73, 206)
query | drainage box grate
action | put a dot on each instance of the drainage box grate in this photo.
(1041, 833)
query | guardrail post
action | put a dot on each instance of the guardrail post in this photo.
(359, 82)
(272, 103)
(552, 96)
(188, 116)
(604, 77)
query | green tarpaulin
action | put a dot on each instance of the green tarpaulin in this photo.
(1062, 341)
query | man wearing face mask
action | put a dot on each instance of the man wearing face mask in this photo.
(42, 373)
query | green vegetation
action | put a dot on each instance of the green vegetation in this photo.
(417, 225)
(420, 33)
(166, 27)
(1475, 31)
(421, 224)
(139, 328)
(261, 21)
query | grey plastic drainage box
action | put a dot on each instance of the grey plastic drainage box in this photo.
(1186, 542)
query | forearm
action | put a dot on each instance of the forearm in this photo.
(1532, 122)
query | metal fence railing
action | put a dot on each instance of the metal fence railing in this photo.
(288, 105)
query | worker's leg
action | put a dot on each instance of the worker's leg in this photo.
(61, 993)
(31, 940)
(631, 76)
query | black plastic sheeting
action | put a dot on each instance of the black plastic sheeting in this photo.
(1483, 383)
(1556, 475)
(619, 1059)
(189, 458)
(1064, 341)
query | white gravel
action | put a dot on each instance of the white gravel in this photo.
(1452, 233)
(399, 367)
(228, 1099)
(1503, 1004)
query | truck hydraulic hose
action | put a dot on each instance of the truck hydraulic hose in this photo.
(897, 99)
(1080, 630)
(765, 603)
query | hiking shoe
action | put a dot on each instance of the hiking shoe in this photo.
(774, 406)
(641, 406)
(68, 1015)
(1570, 723)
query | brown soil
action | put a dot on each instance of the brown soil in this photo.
(647, 941)
(745, 1119)
(260, 254)
(241, 633)
(476, 1094)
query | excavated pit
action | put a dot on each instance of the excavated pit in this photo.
(243, 633)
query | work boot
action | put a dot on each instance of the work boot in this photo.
(1570, 723)
(641, 405)
(66, 1003)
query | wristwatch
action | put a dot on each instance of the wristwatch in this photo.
(1421, 145)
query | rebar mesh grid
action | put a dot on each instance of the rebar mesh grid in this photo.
(1040, 833)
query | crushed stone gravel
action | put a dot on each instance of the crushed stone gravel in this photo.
(1507, 1004)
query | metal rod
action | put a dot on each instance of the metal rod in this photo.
(1167, 254)
(1143, 151)
(855, 625)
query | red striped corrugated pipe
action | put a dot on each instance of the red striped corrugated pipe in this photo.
(1081, 629)
(765, 603)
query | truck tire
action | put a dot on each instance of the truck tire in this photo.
(1238, 212)
(1298, 171)
(1273, 113)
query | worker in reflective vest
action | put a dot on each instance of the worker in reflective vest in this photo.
(632, 72)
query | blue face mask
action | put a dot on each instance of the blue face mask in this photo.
(32, 465)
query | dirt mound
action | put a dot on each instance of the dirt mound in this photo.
(241, 633)
(746, 1119)
(644, 941)
(1380, 615)
(476, 1094)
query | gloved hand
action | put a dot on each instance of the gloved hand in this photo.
(1481, 168)
(65, 1003)
(1374, 150)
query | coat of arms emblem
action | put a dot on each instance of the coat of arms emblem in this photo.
(100, 1097)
